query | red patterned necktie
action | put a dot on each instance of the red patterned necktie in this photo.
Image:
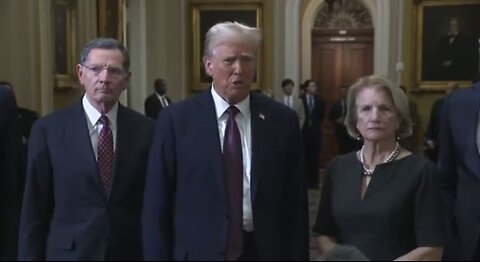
(105, 153)
(232, 155)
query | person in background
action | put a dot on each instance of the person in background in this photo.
(381, 202)
(411, 142)
(86, 169)
(158, 100)
(292, 101)
(10, 175)
(314, 108)
(220, 186)
(459, 164)
(433, 129)
(26, 118)
(345, 142)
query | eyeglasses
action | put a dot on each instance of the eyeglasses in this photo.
(113, 71)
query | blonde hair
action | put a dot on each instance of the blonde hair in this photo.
(393, 91)
(230, 32)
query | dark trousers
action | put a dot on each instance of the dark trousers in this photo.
(249, 249)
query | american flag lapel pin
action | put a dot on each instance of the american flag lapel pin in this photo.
(262, 116)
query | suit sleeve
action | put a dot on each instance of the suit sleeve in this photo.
(38, 203)
(447, 160)
(157, 216)
(296, 200)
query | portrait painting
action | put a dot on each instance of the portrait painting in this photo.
(448, 42)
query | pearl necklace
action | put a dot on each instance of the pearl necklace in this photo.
(390, 158)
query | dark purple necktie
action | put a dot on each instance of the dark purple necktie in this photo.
(232, 155)
(105, 153)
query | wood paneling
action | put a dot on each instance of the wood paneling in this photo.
(338, 58)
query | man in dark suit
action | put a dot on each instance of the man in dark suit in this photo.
(312, 131)
(10, 177)
(459, 163)
(158, 100)
(433, 129)
(26, 117)
(345, 143)
(86, 169)
(220, 185)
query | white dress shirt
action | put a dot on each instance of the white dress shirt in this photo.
(163, 100)
(94, 125)
(288, 100)
(244, 125)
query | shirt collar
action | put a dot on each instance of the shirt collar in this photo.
(93, 115)
(221, 105)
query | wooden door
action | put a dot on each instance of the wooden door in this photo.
(338, 59)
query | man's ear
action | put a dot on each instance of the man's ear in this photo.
(127, 78)
(80, 73)
(207, 64)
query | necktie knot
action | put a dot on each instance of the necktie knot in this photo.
(232, 111)
(104, 120)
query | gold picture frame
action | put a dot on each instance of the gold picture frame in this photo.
(205, 15)
(111, 19)
(65, 38)
(441, 55)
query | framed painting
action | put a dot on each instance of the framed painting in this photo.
(447, 42)
(111, 19)
(207, 14)
(65, 50)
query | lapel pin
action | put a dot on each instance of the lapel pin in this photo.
(262, 116)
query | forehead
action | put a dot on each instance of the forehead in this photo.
(373, 95)
(228, 48)
(105, 57)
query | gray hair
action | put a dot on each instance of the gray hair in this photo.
(398, 97)
(230, 32)
(105, 43)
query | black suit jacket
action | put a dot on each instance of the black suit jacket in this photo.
(10, 175)
(153, 106)
(66, 214)
(459, 164)
(26, 118)
(345, 142)
(312, 127)
(185, 213)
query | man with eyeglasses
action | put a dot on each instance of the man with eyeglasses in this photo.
(86, 169)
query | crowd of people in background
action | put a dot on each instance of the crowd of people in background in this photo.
(224, 175)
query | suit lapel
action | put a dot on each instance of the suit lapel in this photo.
(207, 124)
(81, 143)
(259, 120)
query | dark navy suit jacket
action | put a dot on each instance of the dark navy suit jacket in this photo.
(459, 163)
(185, 212)
(66, 214)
